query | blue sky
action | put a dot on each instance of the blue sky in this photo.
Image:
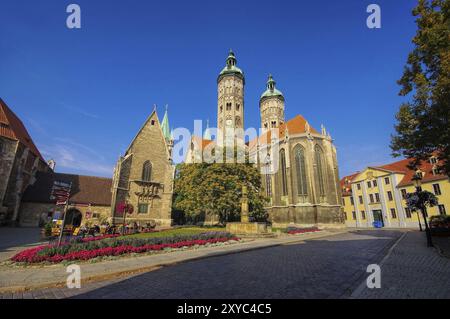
(83, 94)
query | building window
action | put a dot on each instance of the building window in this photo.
(238, 106)
(147, 171)
(153, 122)
(387, 180)
(408, 212)
(300, 170)
(142, 208)
(377, 197)
(436, 170)
(371, 198)
(389, 193)
(319, 170)
(360, 199)
(369, 184)
(274, 123)
(358, 186)
(393, 213)
(374, 183)
(437, 189)
(268, 185)
(403, 193)
(283, 173)
(433, 160)
(442, 209)
(363, 214)
(221, 108)
(354, 215)
(228, 106)
(352, 201)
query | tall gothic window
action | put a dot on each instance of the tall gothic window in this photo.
(268, 185)
(300, 170)
(284, 187)
(318, 154)
(147, 171)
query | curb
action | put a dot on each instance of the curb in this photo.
(138, 270)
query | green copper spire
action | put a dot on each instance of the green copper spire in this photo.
(165, 126)
(207, 134)
(231, 67)
(271, 90)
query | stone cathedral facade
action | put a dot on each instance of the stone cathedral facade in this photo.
(143, 176)
(304, 187)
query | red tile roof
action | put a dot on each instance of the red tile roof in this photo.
(12, 127)
(401, 167)
(85, 189)
(199, 141)
(345, 184)
(296, 125)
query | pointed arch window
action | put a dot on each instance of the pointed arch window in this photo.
(300, 170)
(318, 154)
(147, 171)
(284, 188)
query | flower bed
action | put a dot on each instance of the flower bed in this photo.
(115, 247)
(295, 231)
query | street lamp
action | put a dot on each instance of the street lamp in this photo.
(417, 181)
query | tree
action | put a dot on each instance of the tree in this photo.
(216, 189)
(423, 126)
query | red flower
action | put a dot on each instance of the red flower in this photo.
(30, 255)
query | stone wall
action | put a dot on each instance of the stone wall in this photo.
(313, 208)
(30, 212)
(7, 158)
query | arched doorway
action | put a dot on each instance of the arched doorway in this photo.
(73, 217)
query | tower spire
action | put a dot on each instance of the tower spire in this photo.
(207, 134)
(165, 125)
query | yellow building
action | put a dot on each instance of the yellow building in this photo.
(377, 194)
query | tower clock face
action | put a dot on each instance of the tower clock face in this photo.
(229, 122)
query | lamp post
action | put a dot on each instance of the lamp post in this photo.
(417, 180)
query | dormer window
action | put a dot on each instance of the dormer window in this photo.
(435, 170)
(433, 160)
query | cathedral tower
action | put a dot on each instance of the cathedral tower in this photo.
(271, 106)
(230, 100)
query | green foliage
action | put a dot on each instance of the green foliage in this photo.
(423, 126)
(76, 246)
(48, 229)
(419, 200)
(216, 189)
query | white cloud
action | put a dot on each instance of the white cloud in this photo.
(77, 158)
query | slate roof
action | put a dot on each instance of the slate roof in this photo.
(85, 189)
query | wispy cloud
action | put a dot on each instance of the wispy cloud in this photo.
(79, 110)
(77, 158)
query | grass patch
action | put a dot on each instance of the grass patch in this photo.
(174, 232)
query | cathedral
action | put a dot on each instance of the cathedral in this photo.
(303, 189)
